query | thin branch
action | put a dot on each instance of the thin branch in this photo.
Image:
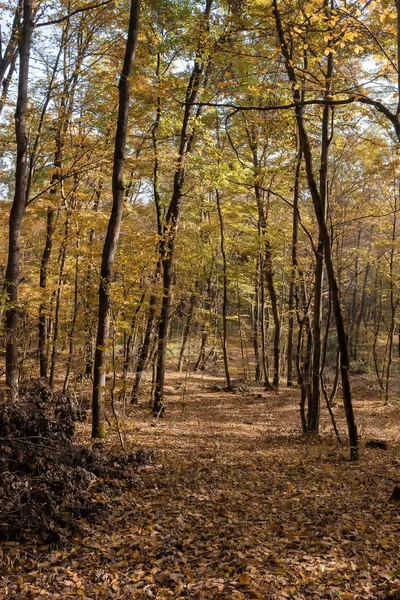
(74, 12)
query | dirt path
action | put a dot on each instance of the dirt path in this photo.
(236, 506)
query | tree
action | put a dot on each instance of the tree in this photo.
(19, 204)
(114, 224)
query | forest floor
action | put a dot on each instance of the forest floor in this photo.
(236, 505)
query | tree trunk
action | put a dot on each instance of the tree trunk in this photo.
(71, 332)
(266, 263)
(255, 319)
(9, 58)
(187, 328)
(393, 302)
(326, 138)
(167, 245)
(145, 349)
(224, 338)
(293, 275)
(114, 224)
(63, 255)
(326, 240)
(18, 206)
(43, 316)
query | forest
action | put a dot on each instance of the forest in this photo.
(200, 299)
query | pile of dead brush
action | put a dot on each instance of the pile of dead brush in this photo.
(46, 478)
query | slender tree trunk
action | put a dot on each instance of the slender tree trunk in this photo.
(114, 224)
(326, 138)
(145, 349)
(275, 312)
(376, 326)
(63, 121)
(393, 302)
(361, 313)
(187, 328)
(43, 309)
(243, 349)
(267, 263)
(18, 205)
(201, 360)
(9, 58)
(71, 332)
(326, 240)
(293, 275)
(167, 245)
(224, 338)
(56, 329)
(354, 305)
(131, 338)
(256, 321)
(89, 342)
(264, 323)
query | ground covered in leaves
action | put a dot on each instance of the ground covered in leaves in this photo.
(235, 505)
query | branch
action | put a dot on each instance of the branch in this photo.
(318, 102)
(75, 12)
(322, 102)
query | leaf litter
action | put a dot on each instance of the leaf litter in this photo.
(236, 505)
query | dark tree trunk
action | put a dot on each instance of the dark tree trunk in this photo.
(71, 332)
(186, 331)
(392, 301)
(167, 245)
(56, 329)
(266, 262)
(114, 224)
(145, 349)
(224, 337)
(326, 240)
(18, 206)
(64, 117)
(43, 316)
(269, 276)
(9, 58)
(326, 138)
(293, 275)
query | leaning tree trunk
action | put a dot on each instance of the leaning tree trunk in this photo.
(326, 240)
(9, 58)
(114, 224)
(18, 206)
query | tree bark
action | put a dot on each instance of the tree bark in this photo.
(255, 320)
(9, 58)
(293, 274)
(224, 337)
(326, 240)
(167, 245)
(114, 224)
(326, 138)
(187, 328)
(18, 206)
(60, 284)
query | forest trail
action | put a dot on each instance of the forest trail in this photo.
(236, 505)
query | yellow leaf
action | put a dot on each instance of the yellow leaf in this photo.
(245, 578)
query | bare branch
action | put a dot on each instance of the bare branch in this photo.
(75, 12)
